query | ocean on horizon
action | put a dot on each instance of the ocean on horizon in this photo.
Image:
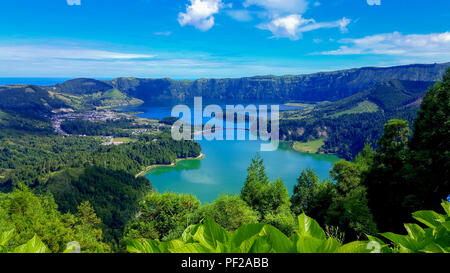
(35, 81)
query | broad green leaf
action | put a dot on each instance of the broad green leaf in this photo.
(175, 244)
(429, 218)
(143, 246)
(398, 240)
(191, 248)
(415, 231)
(446, 206)
(188, 234)
(406, 242)
(384, 248)
(243, 239)
(210, 234)
(308, 244)
(329, 246)
(446, 225)
(309, 227)
(35, 245)
(355, 247)
(261, 245)
(6, 236)
(433, 248)
(280, 242)
(70, 249)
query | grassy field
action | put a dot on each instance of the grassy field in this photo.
(123, 140)
(310, 147)
(362, 107)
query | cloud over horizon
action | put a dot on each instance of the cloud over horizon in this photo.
(78, 61)
(396, 43)
(294, 25)
(200, 14)
(36, 52)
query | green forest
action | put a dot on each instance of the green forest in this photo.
(31, 159)
(346, 125)
(389, 198)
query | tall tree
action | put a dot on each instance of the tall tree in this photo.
(430, 147)
(162, 216)
(349, 209)
(303, 191)
(229, 211)
(255, 182)
(269, 199)
(408, 176)
(385, 181)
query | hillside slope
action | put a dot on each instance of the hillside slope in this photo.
(29, 100)
(346, 125)
(331, 86)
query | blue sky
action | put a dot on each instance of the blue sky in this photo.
(216, 38)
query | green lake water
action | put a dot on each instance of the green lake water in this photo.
(224, 168)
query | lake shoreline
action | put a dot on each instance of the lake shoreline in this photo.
(173, 164)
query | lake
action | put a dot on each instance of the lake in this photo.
(224, 167)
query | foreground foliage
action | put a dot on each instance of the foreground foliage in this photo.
(435, 238)
(30, 215)
(210, 237)
(34, 245)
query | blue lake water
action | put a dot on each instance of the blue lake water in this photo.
(224, 168)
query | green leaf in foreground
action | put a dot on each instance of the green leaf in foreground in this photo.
(35, 245)
(309, 227)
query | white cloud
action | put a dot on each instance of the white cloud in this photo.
(284, 18)
(241, 15)
(341, 24)
(286, 27)
(200, 14)
(38, 52)
(73, 2)
(416, 45)
(279, 6)
(62, 60)
(292, 26)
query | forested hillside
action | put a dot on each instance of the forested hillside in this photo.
(346, 125)
(114, 195)
(329, 86)
(32, 159)
(28, 100)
